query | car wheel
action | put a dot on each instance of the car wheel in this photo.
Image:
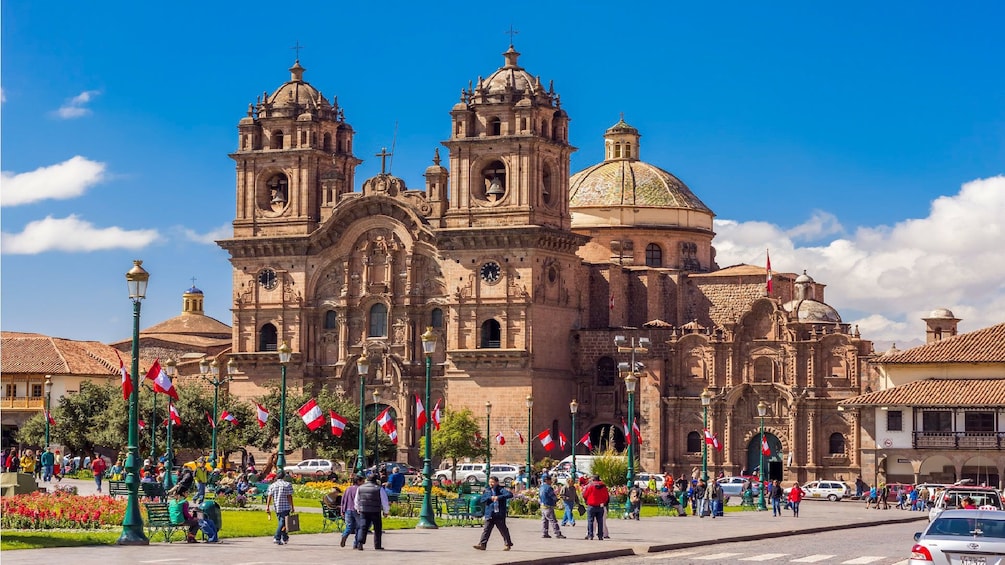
(472, 479)
(833, 497)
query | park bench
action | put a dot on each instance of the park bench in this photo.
(153, 491)
(117, 488)
(332, 515)
(159, 521)
(665, 507)
(461, 511)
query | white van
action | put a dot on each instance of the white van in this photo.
(584, 465)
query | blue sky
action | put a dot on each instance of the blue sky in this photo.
(863, 142)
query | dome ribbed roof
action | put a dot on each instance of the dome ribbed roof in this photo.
(296, 96)
(812, 311)
(631, 183)
(942, 313)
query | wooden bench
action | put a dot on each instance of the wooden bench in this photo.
(117, 488)
(153, 491)
(332, 515)
(159, 521)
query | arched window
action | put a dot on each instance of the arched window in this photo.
(491, 334)
(436, 318)
(277, 139)
(267, 338)
(331, 320)
(607, 371)
(693, 442)
(495, 126)
(378, 320)
(836, 444)
(654, 255)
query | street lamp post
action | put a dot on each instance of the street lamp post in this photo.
(630, 371)
(488, 441)
(132, 522)
(426, 517)
(573, 408)
(153, 426)
(530, 406)
(284, 357)
(171, 369)
(762, 409)
(211, 372)
(362, 368)
(48, 407)
(376, 431)
(706, 399)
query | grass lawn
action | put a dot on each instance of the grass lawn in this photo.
(236, 524)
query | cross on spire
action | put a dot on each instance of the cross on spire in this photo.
(297, 48)
(383, 159)
(193, 282)
(511, 33)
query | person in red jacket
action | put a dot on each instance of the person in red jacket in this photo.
(596, 497)
(98, 467)
(796, 495)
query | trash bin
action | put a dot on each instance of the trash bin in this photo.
(212, 511)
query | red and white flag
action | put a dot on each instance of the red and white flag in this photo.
(209, 418)
(127, 383)
(715, 442)
(420, 413)
(765, 448)
(638, 432)
(768, 280)
(311, 414)
(627, 432)
(387, 424)
(562, 440)
(393, 434)
(49, 418)
(139, 422)
(545, 439)
(437, 415)
(586, 441)
(500, 438)
(162, 383)
(518, 435)
(228, 417)
(175, 417)
(263, 415)
(708, 436)
(338, 423)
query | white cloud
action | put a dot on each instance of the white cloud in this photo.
(76, 106)
(61, 181)
(72, 234)
(954, 258)
(223, 232)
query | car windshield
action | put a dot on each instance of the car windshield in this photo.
(968, 527)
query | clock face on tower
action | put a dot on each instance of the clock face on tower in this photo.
(490, 272)
(267, 278)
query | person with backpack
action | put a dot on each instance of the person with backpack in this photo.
(596, 496)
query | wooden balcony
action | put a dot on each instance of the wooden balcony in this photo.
(22, 403)
(959, 440)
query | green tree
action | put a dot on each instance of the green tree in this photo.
(456, 438)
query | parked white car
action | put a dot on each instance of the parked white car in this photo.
(642, 480)
(311, 468)
(733, 486)
(830, 490)
(475, 473)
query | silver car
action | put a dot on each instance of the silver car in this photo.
(962, 537)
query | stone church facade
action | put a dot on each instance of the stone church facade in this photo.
(526, 272)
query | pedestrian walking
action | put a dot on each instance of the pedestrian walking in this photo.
(570, 500)
(871, 498)
(349, 511)
(776, 493)
(495, 499)
(98, 467)
(795, 497)
(596, 496)
(371, 505)
(280, 498)
(634, 503)
(548, 499)
(47, 460)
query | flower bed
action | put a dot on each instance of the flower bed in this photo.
(42, 511)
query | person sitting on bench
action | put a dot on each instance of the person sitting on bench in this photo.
(180, 514)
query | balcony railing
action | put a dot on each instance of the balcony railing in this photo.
(22, 403)
(959, 440)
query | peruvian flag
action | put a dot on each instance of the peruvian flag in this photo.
(586, 441)
(638, 432)
(228, 417)
(624, 428)
(127, 383)
(49, 418)
(311, 414)
(420, 413)
(518, 435)
(500, 438)
(765, 448)
(175, 417)
(562, 440)
(768, 281)
(263, 415)
(139, 422)
(709, 438)
(545, 439)
(338, 423)
(386, 423)
(393, 434)
(161, 381)
(715, 442)
(437, 415)
(212, 424)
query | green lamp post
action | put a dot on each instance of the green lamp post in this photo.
(48, 407)
(426, 518)
(630, 371)
(376, 431)
(211, 372)
(132, 522)
(530, 417)
(762, 409)
(706, 399)
(488, 441)
(362, 369)
(630, 382)
(284, 357)
(153, 426)
(170, 367)
(573, 408)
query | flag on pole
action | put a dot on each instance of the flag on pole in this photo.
(708, 436)
(228, 417)
(175, 417)
(627, 432)
(768, 281)
(162, 383)
(500, 438)
(263, 415)
(765, 448)
(49, 418)
(338, 423)
(715, 442)
(638, 432)
(311, 414)
(209, 418)
(545, 439)
(518, 435)
(420, 413)
(562, 440)
(586, 441)
(139, 422)
(386, 423)
(127, 383)
(437, 415)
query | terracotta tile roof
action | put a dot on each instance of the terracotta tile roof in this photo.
(937, 392)
(37, 353)
(982, 346)
(190, 324)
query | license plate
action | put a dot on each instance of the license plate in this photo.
(972, 560)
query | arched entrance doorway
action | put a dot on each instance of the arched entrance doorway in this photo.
(603, 436)
(772, 461)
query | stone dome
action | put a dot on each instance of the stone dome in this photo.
(193, 290)
(812, 311)
(945, 313)
(631, 183)
(510, 83)
(296, 97)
